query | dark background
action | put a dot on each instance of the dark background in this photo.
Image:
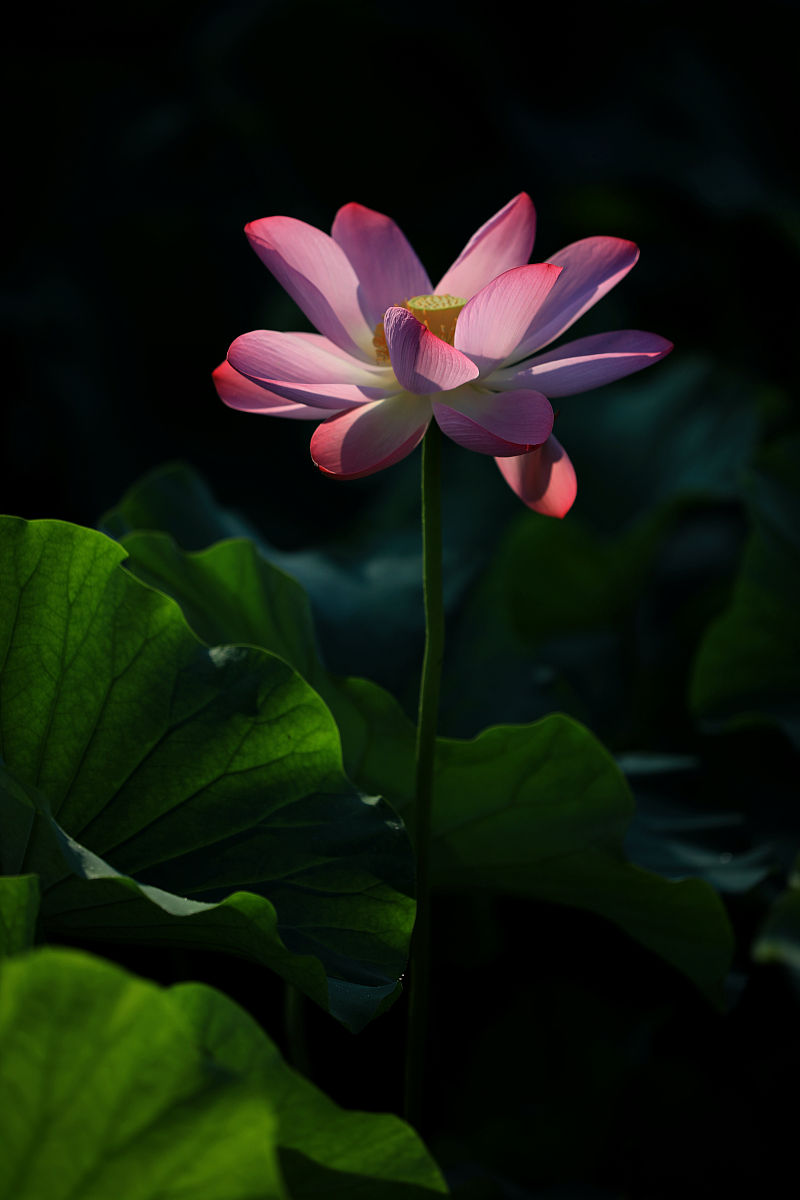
(140, 140)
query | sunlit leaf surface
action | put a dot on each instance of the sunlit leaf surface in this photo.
(108, 1093)
(324, 1150)
(122, 1088)
(168, 792)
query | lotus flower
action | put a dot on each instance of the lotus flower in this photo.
(394, 352)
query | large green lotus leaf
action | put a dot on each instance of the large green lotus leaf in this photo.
(19, 908)
(378, 743)
(324, 1150)
(378, 738)
(19, 816)
(230, 593)
(683, 920)
(779, 939)
(748, 667)
(164, 791)
(106, 1092)
(114, 1086)
(541, 811)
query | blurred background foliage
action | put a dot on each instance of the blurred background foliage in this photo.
(662, 612)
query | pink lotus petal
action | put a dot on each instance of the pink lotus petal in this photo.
(544, 479)
(492, 323)
(237, 392)
(501, 424)
(387, 267)
(362, 442)
(592, 267)
(337, 396)
(301, 358)
(586, 363)
(422, 362)
(318, 372)
(505, 241)
(317, 274)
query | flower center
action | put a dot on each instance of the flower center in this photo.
(437, 313)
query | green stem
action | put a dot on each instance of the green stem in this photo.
(419, 966)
